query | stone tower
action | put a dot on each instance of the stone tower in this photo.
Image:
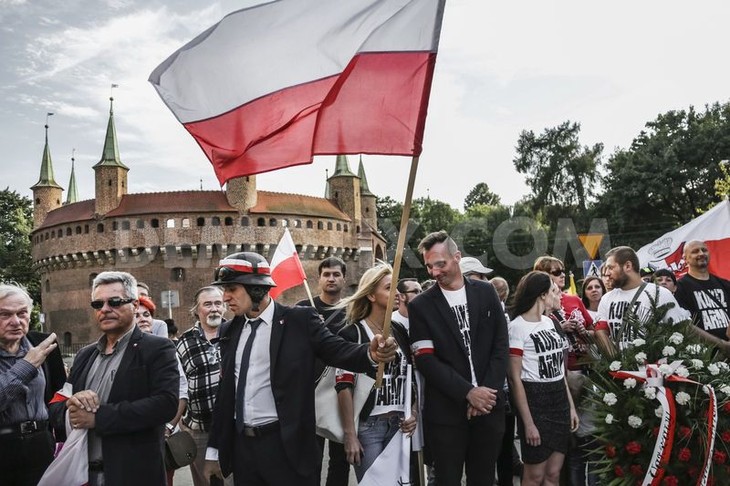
(46, 192)
(367, 199)
(344, 189)
(110, 173)
(241, 193)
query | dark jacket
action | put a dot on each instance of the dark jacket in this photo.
(55, 374)
(297, 337)
(142, 399)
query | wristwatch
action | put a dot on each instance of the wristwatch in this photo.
(170, 428)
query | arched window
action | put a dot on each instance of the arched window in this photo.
(228, 221)
(155, 223)
(177, 274)
(320, 225)
(284, 223)
(215, 221)
(186, 222)
(86, 229)
(140, 223)
(346, 228)
(339, 227)
(78, 230)
(170, 223)
(200, 222)
(69, 231)
(297, 223)
(261, 222)
(125, 225)
(310, 225)
(329, 225)
(244, 221)
(100, 228)
(272, 222)
(115, 226)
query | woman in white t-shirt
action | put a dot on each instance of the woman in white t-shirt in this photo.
(545, 410)
(384, 411)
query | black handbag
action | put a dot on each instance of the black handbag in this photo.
(180, 450)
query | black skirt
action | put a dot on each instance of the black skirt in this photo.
(550, 410)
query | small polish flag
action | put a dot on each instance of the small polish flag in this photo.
(286, 268)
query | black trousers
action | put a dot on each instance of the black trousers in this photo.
(506, 459)
(24, 459)
(262, 461)
(338, 469)
(475, 446)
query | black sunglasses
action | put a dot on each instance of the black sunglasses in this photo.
(557, 273)
(113, 302)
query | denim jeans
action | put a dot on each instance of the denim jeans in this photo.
(374, 434)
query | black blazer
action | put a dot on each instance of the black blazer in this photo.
(447, 373)
(298, 336)
(55, 374)
(142, 399)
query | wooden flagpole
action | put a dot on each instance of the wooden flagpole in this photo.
(398, 259)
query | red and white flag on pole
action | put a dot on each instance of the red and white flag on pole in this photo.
(712, 227)
(286, 268)
(272, 85)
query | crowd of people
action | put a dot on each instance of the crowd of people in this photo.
(241, 381)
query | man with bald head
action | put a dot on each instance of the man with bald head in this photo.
(705, 295)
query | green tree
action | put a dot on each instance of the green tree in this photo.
(559, 170)
(16, 223)
(668, 174)
(481, 194)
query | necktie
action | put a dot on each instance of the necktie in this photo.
(245, 358)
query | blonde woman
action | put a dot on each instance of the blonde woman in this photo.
(384, 411)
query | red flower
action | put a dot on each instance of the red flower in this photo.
(670, 481)
(726, 436)
(719, 457)
(633, 447)
(618, 471)
(684, 454)
(610, 451)
(637, 470)
(685, 432)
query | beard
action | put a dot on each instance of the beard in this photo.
(214, 320)
(620, 281)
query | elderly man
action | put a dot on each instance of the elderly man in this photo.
(26, 381)
(125, 388)
(200, 357)
(263, 422)
(460, 344)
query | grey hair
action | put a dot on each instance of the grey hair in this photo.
(127, 280)
(209, 288)
(9, 290)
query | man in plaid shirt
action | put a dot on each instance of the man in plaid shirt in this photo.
(198, 351)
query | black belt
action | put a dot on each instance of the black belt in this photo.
(96, 466)
(24, 428)
(260, 430)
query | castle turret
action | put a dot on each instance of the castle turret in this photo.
(47, 193)
(241, 193)
(344, 189)
(367, 199)
(111, 174)
(73, 192)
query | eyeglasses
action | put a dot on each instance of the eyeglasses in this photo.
(114, 302)
(557, 273)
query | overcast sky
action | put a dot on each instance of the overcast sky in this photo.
(502, 67)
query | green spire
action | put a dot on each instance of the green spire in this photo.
(73, 192)
(110, 154)
(342, 167)
(47, 179)
(326, 184)
(364, 189)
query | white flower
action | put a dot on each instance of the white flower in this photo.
(698, 363)
(650, 392)
(610, 399)
(665, 369)
(682, 398)
(723, 365)
(676, 338)
(669, 351)
(640, 358)
(682, 371)
(706, 389)
(713, 369)
(635, 421)
(725, 389)
(638, 342)
(629, 383)
(609, 419)
(659, 411)
(615, 366)
(695, 349)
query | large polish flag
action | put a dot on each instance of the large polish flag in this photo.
(712, 227)
(286, 268)
(272, 85)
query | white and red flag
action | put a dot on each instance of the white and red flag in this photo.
(712, 227)
(286, 268)
(272, 85)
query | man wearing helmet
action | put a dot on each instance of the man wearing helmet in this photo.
(263, 422)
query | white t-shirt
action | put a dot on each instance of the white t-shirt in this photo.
(400, 319)
(613, 305)
(457, 302)
(542, 349)
(391, 397)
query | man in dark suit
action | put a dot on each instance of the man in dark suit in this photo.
(125, 389)
(263, 422)
(460, 343)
